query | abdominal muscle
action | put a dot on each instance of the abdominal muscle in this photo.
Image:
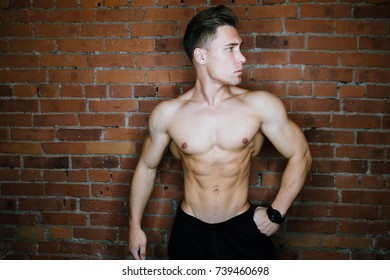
(216, 184)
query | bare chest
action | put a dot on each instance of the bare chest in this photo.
(197, 132)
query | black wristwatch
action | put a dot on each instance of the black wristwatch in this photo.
(274, 215)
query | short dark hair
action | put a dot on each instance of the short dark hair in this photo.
(203, 26)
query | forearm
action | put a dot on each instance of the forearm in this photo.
(292, 182)
(140, 191)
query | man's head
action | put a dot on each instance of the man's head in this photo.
(203, 27)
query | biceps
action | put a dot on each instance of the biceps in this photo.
(153, 150)
(287, 138)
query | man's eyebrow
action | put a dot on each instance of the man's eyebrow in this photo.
(233, 44)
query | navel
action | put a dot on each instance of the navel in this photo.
(245, 141)
(184, 145)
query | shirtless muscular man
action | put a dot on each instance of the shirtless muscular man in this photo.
(216, 129)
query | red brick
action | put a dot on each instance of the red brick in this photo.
(354, 211)
(73, 190)
(69, 90)
(328, 74)
(314, 226)
(15, 30)
(376, 138)
(332, 43)
(100, 190)
(121, 91)
(330, 136)
(310, 26)
(71, 16)
(111, 60)
(356, 121)
(95, 234)
(325, 89)
(100, 120)
(317, 105)
(22, 189)
(20, 148)
(46, 162)
(170, 76)
(79, 61)
(352, 91)
(372, 75)
(80, 45)
(379, 11)
(106, 206)
(168, 44)
(33, 134)
(266, 58)
(362, 27)
(120, 76)
(367, 106)
(168, 14)
(326, 11)
(360, 153)
(17, 219)
(377, 91)
(48, 91)
(19, 61)
(129, 45)
(280, 42)
(277, 74)
(63, 106)
(109, 220)
(313, 58)
(345, 166)
(150, 60)
(113, 106)
(71, 76)
(41, 204)
(374, 43)
(18, 105)
(366, 197)
(124, 134)
(116, 3)
(56, 119)
(366, 60)
(56, 218)
(261, 26)
(95, 162)
(153, 29)
(57, 30)
(20, 76)
(64, 148)
(99, 175)
(79, 134)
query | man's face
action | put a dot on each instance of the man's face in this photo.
(224, 60)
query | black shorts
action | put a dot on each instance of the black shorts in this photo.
(234, 239)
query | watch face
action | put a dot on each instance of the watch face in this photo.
(274, 215)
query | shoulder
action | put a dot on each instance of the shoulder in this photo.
(163, 113)
(265, 103)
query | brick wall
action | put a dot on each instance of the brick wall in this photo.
(80, 77)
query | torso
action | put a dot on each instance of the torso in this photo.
(216, 146)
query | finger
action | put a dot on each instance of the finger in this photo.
(142, 252)
(135, 253)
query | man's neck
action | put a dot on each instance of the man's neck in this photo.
(211, 93)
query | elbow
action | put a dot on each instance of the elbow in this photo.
(308, 159)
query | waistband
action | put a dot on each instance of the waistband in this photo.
(245, 216)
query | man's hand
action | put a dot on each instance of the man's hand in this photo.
(263, 222)
(137, 243)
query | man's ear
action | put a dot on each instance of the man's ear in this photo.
(199, 56)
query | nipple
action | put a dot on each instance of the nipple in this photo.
(184, 145)
(245, 141)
